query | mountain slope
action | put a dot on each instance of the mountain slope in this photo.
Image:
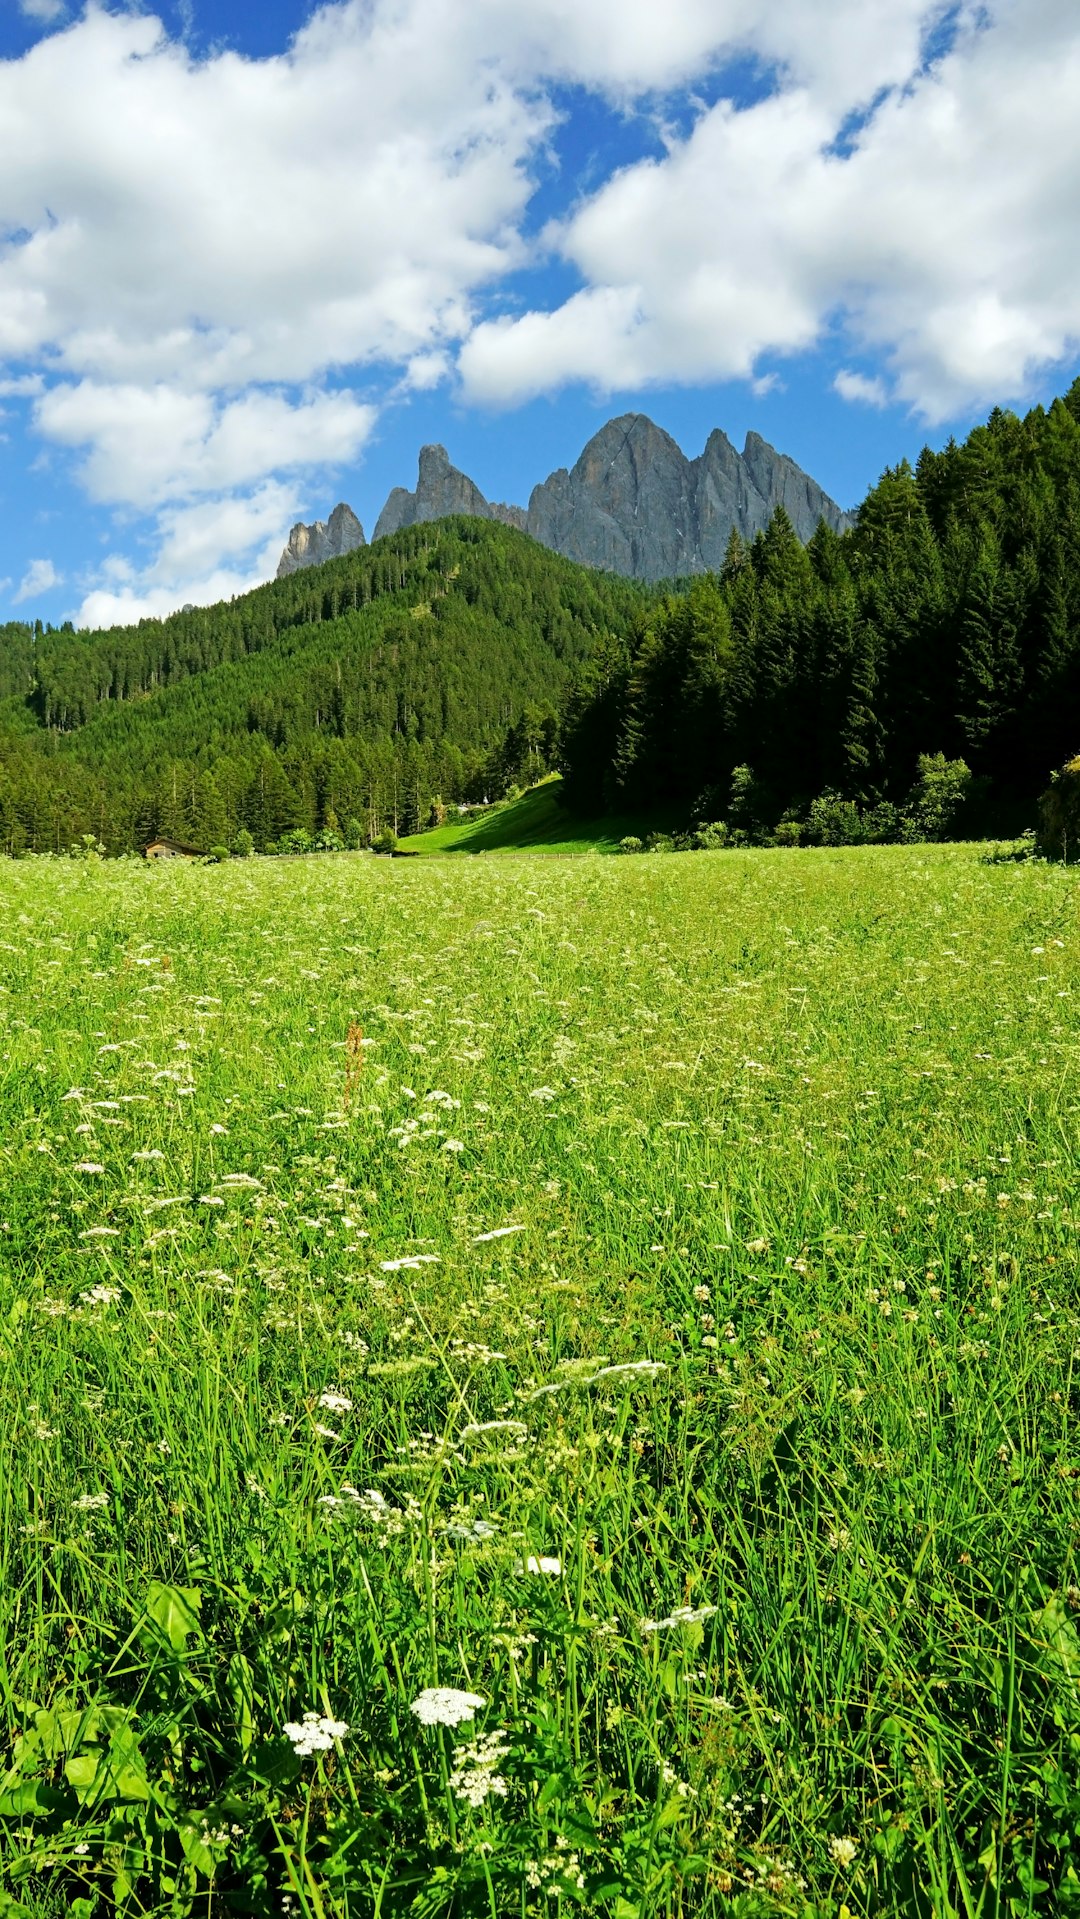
(363, 688)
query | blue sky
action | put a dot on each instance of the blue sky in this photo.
(253, 256)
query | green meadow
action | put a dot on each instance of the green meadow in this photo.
(538, 822)
(534, 1386)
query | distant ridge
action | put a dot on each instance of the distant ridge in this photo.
(322, 540)
(633, 504)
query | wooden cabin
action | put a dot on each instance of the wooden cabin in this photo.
(172, 850)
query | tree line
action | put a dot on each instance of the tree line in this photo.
(426, 669)
(920, 671)
(944, 627)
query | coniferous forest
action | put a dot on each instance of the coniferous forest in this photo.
(806, 683)
(799, 691)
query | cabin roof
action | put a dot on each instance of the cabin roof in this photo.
(174, 846)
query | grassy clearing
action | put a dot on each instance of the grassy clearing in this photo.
(538, 823)
(637, 1293)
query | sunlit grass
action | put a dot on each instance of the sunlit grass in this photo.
(637, 1293)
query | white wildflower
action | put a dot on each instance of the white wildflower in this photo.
(475, 1777)
(445, 1706)
(87, 1166)
(314, 1734)
(413, 1260)
(549, 1565)
(682, 1616)
(335, 1403)
(843, 1852)
(470, 1531)
(500, 1232)
(646, 1368)
(453, 1146)
(516, 1428)
(90, 1502)
(101, 1296)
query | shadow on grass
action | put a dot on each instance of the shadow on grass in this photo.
(538, 821)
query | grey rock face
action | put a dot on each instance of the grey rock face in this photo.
(779, 482)
(322, 540)
(634, 504)
(509, 515)
(441, 489)
(627, 505)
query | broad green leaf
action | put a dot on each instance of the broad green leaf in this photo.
(175, 1610)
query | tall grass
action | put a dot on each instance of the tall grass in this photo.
(639, 1294)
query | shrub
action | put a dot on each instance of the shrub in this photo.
(218, 855)
(788, 832)
(745, 802)
(88, 848)
(938, 798)
(834, 821)
(384, 842)
(298, 841)
(631, 844)
(660, 843)
(243, 845)
(712, 835)
(354, 834)
(1059, 813)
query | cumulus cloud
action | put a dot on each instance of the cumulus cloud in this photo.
(148, 444)
(40, 577)
(45, 12)
(938, 230)
(864, 388)
(197, 255)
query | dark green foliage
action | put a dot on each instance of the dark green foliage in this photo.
(943, 630)
(941, 795)
(460, 660)
(1059, 814)
(428, 665)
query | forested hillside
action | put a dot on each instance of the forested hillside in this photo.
(455, 658)
(947, 621)
(430, 664)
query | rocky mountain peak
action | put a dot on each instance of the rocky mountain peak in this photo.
(322, 540)
(632, 503)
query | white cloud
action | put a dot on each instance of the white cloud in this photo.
(867, 389)
(25, 386)
(209, 223)
(40, 577)
(196, 254)
(149, 444)
(941, 235)
(217, 222)
(46, 12)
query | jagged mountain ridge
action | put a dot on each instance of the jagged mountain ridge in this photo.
(633, 504)
(322, 540)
